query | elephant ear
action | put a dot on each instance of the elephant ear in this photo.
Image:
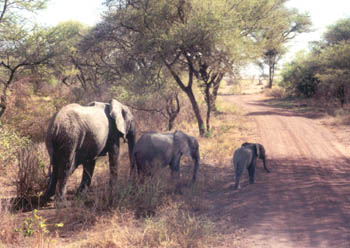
(257, 150)
(181, 141)
(121, 115)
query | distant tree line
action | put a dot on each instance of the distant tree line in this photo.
(147, 51)
(325, 70)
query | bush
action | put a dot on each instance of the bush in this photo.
(276, 92)
(299, 76)
(10, 142)
(31, 174)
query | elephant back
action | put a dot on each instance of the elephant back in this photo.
(243, 155)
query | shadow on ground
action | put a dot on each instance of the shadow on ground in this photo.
(287, 107)
(303, 202)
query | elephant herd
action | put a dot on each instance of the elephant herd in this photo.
(80, 134)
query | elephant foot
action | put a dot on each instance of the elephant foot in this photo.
(178, 189)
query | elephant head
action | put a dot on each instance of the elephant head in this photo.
(188, 145)
(260, 151)
(124, 122)
(166, 149)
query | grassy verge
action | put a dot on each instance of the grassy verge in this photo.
(134, 215)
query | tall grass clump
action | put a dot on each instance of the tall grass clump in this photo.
(342, 116)
(31, 172)
(176, 228)
(143, 198)
(276, 92)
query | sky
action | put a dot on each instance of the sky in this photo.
(322, 13)
(84, 11)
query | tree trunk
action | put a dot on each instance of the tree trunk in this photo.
(216, 86)
(209, 104)
(271, 74)
(196, 110)
(3, 102)
(189, 92)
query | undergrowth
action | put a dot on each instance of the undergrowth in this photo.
(130, 214)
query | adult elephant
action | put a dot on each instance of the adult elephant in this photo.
(165, 149)
(245, 158)
(79, 134)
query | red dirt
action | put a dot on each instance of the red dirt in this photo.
(305, 200)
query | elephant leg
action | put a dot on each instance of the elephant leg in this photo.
(63, 175)
(65, 168)
(251, 171)
(175, 168)
(175, 174)
(113, 162)
(89, 167)
(51, 188)
(239, 169)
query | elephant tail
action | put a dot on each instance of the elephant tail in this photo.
(132, 165)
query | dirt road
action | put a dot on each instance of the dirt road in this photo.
(304, 202)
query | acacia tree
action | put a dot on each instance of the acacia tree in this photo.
(188, 39)
(19, 49)
(288, 24)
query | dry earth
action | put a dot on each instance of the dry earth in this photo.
(305, 200)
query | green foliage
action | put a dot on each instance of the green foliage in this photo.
(340, 31)
(36, 225)
(299, 76)
(139, 41)
(286, 24)
(324, 71)
(10, 142)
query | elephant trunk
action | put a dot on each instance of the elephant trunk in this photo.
(265, 167)
(131, 137)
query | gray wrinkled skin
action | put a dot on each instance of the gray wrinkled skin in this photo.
(164, 149)
(262, 153)
(79, 135)
(244, 158)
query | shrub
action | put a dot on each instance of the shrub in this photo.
(31, 174)
(276, 92)
(10, 142)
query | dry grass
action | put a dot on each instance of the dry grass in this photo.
(135, 215)
(276, 92)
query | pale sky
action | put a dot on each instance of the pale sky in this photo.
(322, 13)
(84, 11)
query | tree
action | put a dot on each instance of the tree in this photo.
(288, 23)
(334, 70)
(189, 39)
(325, 69)
(20, 49)
(299, 75)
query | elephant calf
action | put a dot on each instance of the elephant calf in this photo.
(164, 149)
(245, 158)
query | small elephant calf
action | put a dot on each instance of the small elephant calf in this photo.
(245, 158)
